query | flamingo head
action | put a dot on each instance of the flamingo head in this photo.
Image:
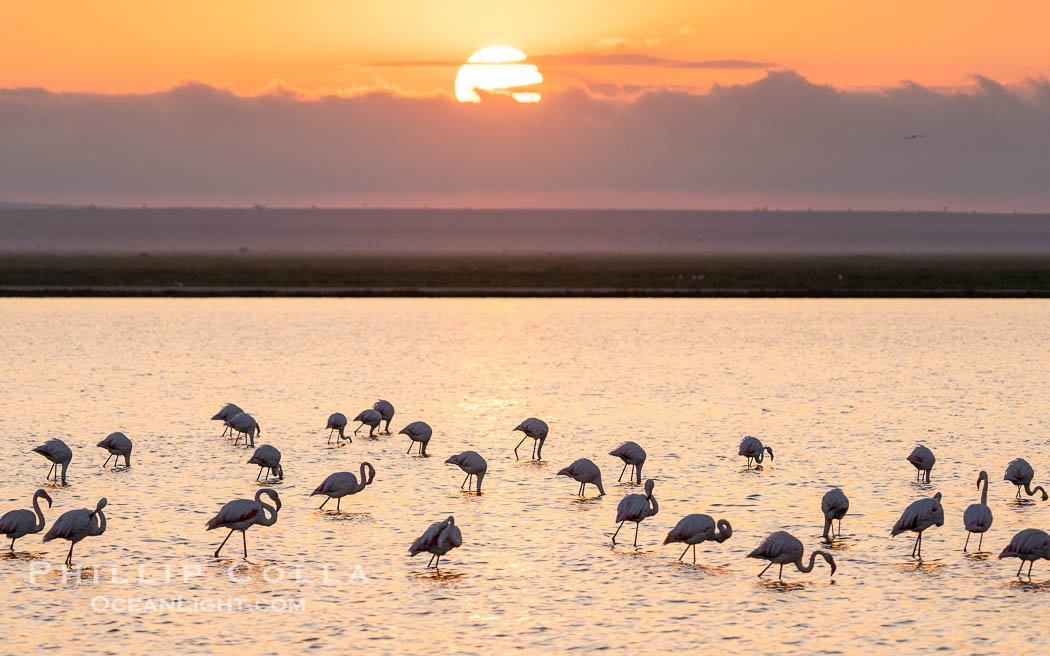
(102, 503)
(44, 495)
(649, 485)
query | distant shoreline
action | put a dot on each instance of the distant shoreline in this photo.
(552, 276)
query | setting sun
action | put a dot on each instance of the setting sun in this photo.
(497, 70)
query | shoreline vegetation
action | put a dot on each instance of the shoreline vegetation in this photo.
(591, 275)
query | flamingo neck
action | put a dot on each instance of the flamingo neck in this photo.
(984, 493)
(654, 506)
(99, 526)
(808, 568)
(39, 513)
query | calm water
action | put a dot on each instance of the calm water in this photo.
(842, 391)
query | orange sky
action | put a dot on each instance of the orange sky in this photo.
(325, 45)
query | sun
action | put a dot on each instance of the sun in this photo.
(497, 70)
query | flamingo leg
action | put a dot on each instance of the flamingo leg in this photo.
(51, 470)
(321, 507)
(764, 569)
(683, 553)
(1020, 568)
(69, 556)
(423, 452)
(622, 472)
(617, 531)
(694, 554)
(259, 474)
(358, 428)
(980, 541)
(465, 479)
(372, 431)
(636, 525)
(410, 445)
(1030, 563)
(840, 528)
(107, 460)
(781, 576)
(581, 488)
(519, 444)
(244, 538)
(431, 560)
(968, 534)
(223, 543)
(337, 502)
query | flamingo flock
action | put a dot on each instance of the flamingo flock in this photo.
(779, 548)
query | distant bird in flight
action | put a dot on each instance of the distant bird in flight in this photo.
(418, 431)
(694, 529)
(228, 412)
(782, 548)
(632, 455)
(18, 523)
(912, 137)
(1020, 473)
(834, 505)
(75, 525)
(336, 422)
(118, 445)
(340, 484)
(752, 449)
(242, 514)
(386, 411)
(369, 418)
(635, 508)
(583, 471)
(918, 517)
(58, 453)
(471, 463)
(978, 517)
(268, 458)
(438, 539)
(1030, 544)
(923, 460)
(537, 430)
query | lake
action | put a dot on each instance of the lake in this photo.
(842, 390)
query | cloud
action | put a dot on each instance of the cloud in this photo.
(592, 59)
(611, 42)
(779, 137)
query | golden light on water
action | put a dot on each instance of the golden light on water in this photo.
(498, 70)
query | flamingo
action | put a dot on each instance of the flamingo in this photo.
(1020, 473)
(369, 418)
(267, 457)
(635, 508)
(417, 431)
(386, 411)
(537, 430)
(18, 523)
(782, 548)
(632, 455)
(242, 514)
(340, 484)
(583, 471)
(1030, 544)
(438, 539)
(978, 517)
(471, 463)
(694, 529)
(75, 525)
(834, 505)
(752, 448)
(918, 517)
(118, 445)
(228, 412)
(246, 425)
(923, 460)
(336, 422)
(58, 453)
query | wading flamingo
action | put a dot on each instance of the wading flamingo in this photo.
(978, 517)
(635, 508)
(537, 430)
(918, 517)
(340, 484)
(753, 450)
(438, 540)
(228, 412)
(267, 457)
(782, 548)
(18, 523)
(418, 431)
(1020, 473)
(75, 525)
(583, 471)
(632, 455)
(1030, 544)
(336, 422)
(118, 445)
(834, 505)
(369, 418)
(694, 529)
(58, 453)
(242, 514)
(472, 464)
(923, 460)
(386, 411)
(247, 427)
